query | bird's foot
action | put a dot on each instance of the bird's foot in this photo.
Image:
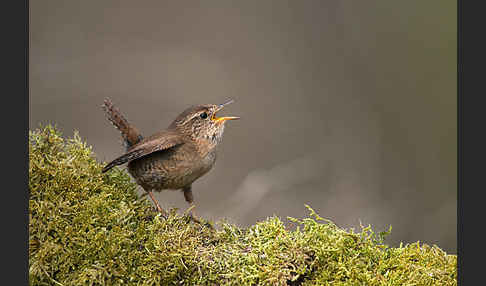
(160, 211)
(157, 206)
(192, 217)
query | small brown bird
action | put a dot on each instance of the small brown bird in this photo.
(174, 158)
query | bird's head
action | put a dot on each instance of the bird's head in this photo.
(201, 123)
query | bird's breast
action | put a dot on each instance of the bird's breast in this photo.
(172, 169)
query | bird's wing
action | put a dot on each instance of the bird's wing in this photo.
(158, 142)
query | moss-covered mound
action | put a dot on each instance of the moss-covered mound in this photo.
(88, 228)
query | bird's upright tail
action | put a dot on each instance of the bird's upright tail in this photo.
(129, 133)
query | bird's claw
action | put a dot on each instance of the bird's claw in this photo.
(190, 215)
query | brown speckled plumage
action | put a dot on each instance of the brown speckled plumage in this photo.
(174, 158)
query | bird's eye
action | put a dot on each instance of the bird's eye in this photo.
(204, 115)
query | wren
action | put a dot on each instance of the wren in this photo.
(175, 157)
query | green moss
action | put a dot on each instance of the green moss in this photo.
(89, 228)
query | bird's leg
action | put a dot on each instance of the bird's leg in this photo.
(190, 199)
(155, 202)
(187, 190)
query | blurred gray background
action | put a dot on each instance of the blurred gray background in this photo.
(348, 106)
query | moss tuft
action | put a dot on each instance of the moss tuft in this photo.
(89, 228)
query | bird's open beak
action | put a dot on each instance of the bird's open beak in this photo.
(222, 119)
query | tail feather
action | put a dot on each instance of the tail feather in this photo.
(129, 133)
